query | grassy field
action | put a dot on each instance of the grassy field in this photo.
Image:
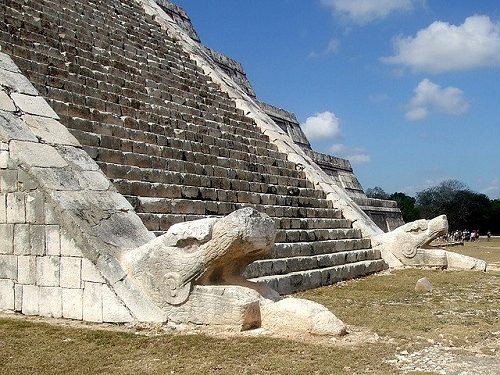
(388, 320)
(483, 249)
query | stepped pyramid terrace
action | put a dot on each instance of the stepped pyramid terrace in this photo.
(142, 180)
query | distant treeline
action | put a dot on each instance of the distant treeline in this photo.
(464, 208)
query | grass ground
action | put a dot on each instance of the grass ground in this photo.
(483, 249)
(462, 313)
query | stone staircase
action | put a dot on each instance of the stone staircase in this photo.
(170, 140)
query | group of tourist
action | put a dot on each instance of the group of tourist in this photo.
(465, 235)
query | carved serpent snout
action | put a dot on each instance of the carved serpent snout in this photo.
(405, 241)
(237, 240)
(212, 250)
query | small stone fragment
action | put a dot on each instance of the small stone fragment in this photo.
(423, 285)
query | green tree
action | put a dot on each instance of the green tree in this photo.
(464, 208)
(493, 224)
(407, 206)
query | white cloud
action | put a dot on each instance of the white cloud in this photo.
(321, 126)
(443, 47)
(330, 49)
(364, 11)
(355, 155)
(430, 97)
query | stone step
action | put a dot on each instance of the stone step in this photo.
(193, 209)
(157, 202)
(262, 184)
(160, 222)
(311, 235)
(184, 161)
(204, 131)
(318, 223)
(295, 249)
(285, 185)
(304, 280)
(281, 266)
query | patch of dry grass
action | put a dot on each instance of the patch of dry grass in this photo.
(482, 249)
(462, 311)
(29, 348)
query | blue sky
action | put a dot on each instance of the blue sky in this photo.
(408, 90)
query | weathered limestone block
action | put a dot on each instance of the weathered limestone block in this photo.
(228, 305)
(52, 240)
(113, 310)
(92, 302)
(77, 158)
(18, 297)
(72, 303)
(49, 130)
(122, 229)
(8, 181)
(6, 238)
(7, 299)
(17, 82)
(50, 303)
(3, 208)
(92, 180)
(25, 181)
(8, 266)
(142, 308)
(36, 154)
(11, 127)
(48, 270)
(68, 246)
(295, 315)
(31, 298)
(37, 239)
(6, 63)
(21, 241)
(71, 270)
(16, 208)
(34, 105)
(6, 103)
(110, 268)
(56, 178)
(90, 272)
(50, 215)
(464, 262)
(26, 272)
(35, 213)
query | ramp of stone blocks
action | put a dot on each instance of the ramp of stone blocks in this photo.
(161, 125)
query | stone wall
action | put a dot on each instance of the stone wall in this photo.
(42, 270)
(56, 208)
